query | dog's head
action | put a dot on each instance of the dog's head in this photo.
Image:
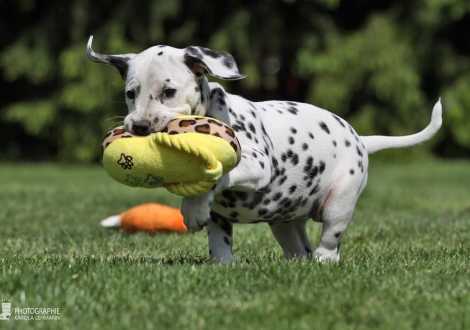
(163, 82)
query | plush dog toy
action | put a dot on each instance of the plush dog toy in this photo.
(185, 164)
(150, 217)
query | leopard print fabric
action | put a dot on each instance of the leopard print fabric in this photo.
(202, 125)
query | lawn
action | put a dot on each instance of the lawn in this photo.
(405, 258)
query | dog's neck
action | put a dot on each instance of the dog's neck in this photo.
(219, 103)
(204, 106)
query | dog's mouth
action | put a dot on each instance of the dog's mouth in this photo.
(144, 127)
(141, 127)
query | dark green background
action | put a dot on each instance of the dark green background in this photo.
(379, 64)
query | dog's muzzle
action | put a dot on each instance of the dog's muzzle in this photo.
(141, 127)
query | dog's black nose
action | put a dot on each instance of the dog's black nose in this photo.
(141, 127)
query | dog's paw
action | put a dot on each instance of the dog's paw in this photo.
(196, 215)
(323, 255)
(195, 222)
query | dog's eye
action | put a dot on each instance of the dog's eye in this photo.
(169, 92)
(130, 94)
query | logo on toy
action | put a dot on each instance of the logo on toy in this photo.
(125, 162)
(153, 180)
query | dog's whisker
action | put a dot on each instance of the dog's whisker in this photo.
(119, 123)
(115, 117)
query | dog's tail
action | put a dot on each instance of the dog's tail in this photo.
(376, 143)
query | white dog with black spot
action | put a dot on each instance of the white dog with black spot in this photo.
(299, 162)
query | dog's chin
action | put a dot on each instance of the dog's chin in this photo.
(154, 130)
(160, 125)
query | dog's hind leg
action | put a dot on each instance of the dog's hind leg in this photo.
(336, 214)
(292, 237)
(219, 231)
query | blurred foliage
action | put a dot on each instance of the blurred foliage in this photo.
(380, 64)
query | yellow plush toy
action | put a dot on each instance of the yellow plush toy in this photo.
(187, 157)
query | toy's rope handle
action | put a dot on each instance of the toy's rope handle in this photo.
(211, 169)
(189, 189)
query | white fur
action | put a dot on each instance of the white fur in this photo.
(298, 161)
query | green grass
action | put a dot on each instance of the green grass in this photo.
(405, 258)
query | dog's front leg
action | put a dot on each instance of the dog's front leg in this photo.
(251, 174)
(196, 210)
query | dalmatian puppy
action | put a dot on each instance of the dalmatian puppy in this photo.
(299, 162)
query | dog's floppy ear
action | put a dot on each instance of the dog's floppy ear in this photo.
(118, 61)
(219, 64)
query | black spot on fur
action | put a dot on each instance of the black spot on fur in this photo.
(347, 143)
(241, 195)
(305, 146)
(227, 194)
(218, 95)
(274, 161)
(339, 120)
(255, 201)
(251, 127)
(324, 127)
(262, 211)
(159, 54)
(359, 152)
(293, 130)
(315, 189)
(231, 112)
(322, 166)
(360, 165)
(226, 227)
(292, 189)
(277, 196)
(227, 240)
(291, 140)
(334, 143)
(309, 164)
(351, 171)
(293, 110)
(338, 234)
(233, 214)
(295, 159)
